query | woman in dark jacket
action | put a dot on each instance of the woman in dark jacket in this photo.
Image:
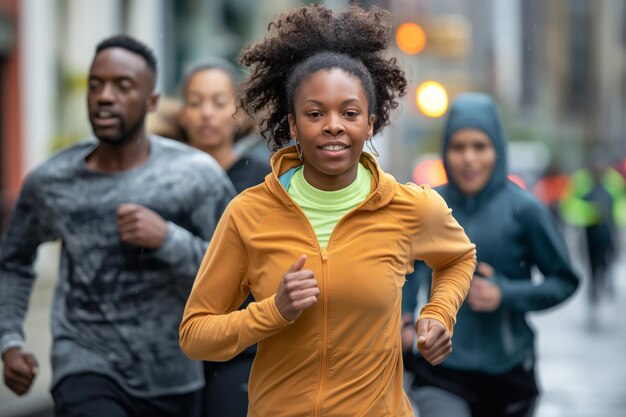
(491, 369)
(209, 122)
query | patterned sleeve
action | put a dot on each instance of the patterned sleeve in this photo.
(29, 226)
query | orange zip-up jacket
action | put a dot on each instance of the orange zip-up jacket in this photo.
(343, 356)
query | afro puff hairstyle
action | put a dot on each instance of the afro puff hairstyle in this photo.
(311, 38)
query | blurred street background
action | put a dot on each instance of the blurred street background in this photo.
(557, 69)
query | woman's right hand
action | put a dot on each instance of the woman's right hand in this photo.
(297, 291)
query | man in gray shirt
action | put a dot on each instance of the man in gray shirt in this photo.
(134, 214)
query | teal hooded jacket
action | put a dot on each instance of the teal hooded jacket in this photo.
(513, 233)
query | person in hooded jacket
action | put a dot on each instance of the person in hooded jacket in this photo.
(491, 371)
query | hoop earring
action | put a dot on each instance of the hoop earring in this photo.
(370, 146)
(298, 149)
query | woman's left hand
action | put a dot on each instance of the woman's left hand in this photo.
(433, 341)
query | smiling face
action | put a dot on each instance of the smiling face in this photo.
(208, 114)
(331, 123)
(119, 95)
(471, 159)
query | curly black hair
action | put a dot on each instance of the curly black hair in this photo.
(311, 38)
(133, 45)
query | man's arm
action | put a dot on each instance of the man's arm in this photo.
(184, 249)
(28, 228)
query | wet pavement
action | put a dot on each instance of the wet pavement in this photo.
(582, 353)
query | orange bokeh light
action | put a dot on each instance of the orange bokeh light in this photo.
(411, 38)
(431, 172)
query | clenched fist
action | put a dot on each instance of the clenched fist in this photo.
(297, 291)
(141, 226)
(433, 341)
(20, 369)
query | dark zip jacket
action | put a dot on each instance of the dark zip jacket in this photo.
(513, 233)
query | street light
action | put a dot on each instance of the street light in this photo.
(411, 38)
(432, 99)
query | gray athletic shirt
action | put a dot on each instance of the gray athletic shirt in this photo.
(117, 307)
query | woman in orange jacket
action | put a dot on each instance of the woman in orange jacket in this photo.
(325, 242)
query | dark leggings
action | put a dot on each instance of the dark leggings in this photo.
(93, 395)
(439, 391)
(436, 402)
(226, 390)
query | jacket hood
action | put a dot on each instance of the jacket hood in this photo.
(478, 111)
(383, 190)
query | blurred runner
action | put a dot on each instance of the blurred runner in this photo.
(209, 120)
(134, 214)
(591, 203)
(491, 371)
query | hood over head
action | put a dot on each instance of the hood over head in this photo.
(478, 111)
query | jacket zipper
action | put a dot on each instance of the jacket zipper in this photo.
(324, 258)
(324, 255)
(324, 355)
(323, 252)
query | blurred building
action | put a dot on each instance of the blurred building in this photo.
(558, 68)
(10, 168)
(46, 47)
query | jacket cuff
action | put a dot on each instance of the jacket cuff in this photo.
(169, 249)
(273, 311)
(431, 311)
(10, 341)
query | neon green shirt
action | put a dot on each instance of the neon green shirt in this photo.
(325, 208)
